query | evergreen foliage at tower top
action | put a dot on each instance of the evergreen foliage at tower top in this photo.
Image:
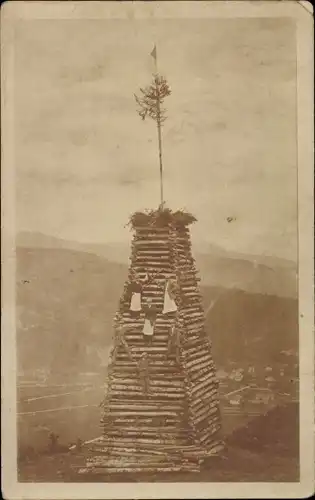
(163, 217)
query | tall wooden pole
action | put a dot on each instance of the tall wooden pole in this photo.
(158, 122)
(159, 128)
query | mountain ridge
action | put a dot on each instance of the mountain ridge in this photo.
(218, 267)
(36, 238)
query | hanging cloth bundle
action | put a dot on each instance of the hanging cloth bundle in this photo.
(149, 321)
(148, 328)
(135, 289)
(169, 297)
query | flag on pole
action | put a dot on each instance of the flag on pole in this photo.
(154, 56)
(153, 53)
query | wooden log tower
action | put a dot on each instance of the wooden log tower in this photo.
(161, 410)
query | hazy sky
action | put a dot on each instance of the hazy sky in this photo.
(85, 160)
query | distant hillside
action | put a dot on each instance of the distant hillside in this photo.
(237, 273)
(250, 327)
(66, 301)
(254, 274)
(115, 252)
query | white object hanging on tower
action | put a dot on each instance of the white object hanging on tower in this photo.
(169, 295)
(148, 327)
(150, 318)
(135, 302)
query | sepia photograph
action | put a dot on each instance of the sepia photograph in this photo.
(154, 228)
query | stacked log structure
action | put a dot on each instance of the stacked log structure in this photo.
(172, 421)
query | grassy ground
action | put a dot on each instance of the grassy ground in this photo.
(265, 449)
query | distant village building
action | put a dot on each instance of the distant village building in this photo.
(289, 352)
(237, 375)
(251, 370)
(222, 374)
(236, 400)
(42, 374)
(263, 397)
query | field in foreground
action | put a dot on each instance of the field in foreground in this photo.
(264, 449)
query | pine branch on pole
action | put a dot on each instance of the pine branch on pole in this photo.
(151, 104)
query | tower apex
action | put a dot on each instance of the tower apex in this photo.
(162, 217)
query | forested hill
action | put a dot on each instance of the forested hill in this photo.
(66, 301)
